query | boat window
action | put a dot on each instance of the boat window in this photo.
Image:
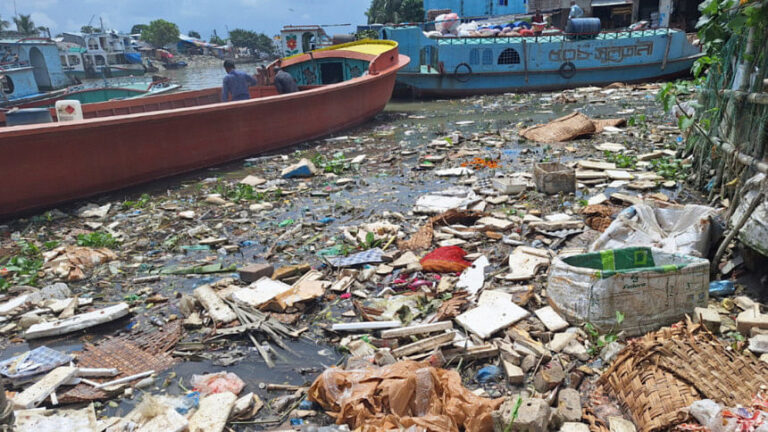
(93, 44)
(7, 84)
(503, 2)
(487, 56)
(309, 76)
(474, 56)
(74, 60)
(509, 56)
(63, 59)
(332, 73)
(100, 60)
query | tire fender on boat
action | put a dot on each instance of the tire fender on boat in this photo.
(567, 70)
(462, 72)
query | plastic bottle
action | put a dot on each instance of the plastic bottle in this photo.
(721, 288)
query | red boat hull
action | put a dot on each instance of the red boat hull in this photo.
(44, 165)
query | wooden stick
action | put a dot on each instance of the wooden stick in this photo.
(125, 379)
(735, 230)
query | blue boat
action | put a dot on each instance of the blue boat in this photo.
(462, 66)
(29, 71)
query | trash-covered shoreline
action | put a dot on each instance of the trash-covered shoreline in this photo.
(452, 265)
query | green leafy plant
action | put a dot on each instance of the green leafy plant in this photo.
(370, 241)
(669, 168)
(598, 341)
(621, 160)
(336, 165)
(97, 239)
(21, 269)
(140, 203)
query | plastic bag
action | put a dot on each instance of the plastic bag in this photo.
(445, 260)
(217, 383)
(447, 23)
(675, 229)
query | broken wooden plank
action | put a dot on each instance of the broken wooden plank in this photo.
(213, 304)
(213, 413)
(417, 329)
(77, 322)
(366, 325)
(40, 390)
(424, 345)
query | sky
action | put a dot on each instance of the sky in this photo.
(264, 16)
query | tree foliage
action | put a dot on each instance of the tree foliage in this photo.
(25, 25)
(4, 24)
(216, 40)
(138, 28)
(395, 11)
(87, 29)
(160, 33)
(255, 41)
(194, 34)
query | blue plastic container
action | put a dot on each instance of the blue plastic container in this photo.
(581, 27)
(28, 116)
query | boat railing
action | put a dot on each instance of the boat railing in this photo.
(14, 65)
(544, 38)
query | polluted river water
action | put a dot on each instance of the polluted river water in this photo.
(393, 174)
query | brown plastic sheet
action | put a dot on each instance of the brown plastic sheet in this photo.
(402, 395)
(663, 372)
(70, 262)
(567, 128)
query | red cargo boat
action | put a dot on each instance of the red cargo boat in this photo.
(125, 143)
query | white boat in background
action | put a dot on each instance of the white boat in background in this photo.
(94, 55)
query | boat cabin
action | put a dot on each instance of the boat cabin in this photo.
(88, 55)
(29, 67)
(295, 40)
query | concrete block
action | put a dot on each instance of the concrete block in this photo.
(515, 374)
(577, 349)
(750, 318)
(560, 341)
(618, 424)
(759, 344)
(568, 406)
(533, 416)
(709, 317)
(551, 319)
(744, 302)
(256, 271)
(574, 427)
(548, 376)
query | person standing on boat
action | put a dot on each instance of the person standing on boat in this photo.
(236, 83)
(538, 22)
(284, 82)
(576, 11)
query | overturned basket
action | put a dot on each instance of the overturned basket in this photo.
(663, 372)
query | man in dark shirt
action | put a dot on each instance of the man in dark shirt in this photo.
(284, 82)
(236, 83)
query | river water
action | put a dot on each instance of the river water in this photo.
(394, 143)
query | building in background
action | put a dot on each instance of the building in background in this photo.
(477, 8)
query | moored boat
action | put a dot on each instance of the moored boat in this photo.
(128, 142)
(107, 91)
(461, 66)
